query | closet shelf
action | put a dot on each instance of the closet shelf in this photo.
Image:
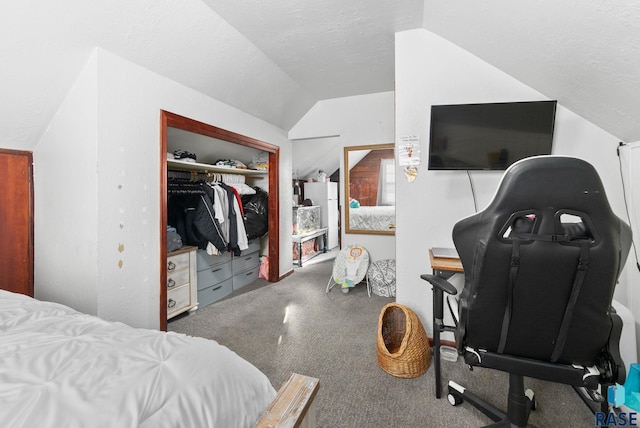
(203, 167)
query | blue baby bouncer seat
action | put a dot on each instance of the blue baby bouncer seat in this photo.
(350, 268)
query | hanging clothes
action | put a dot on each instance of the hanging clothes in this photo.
(238, 183)
(233, 221)
(243, 242)
(189, 214)
(221, 204)
(207, 225)
(209, 216)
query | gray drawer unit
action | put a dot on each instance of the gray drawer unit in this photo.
(214, 277)
(245, 278)
(215, 292)
(204, 260)
(244, 262)
(220, 275)
(211, 275)
(254, 245)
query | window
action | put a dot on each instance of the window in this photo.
(387, 184)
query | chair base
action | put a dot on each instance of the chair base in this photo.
(520, 403)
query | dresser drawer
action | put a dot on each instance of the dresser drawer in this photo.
(213, 275)
(254, 245)
(177, 299)
(247, 261)
(214, 293)
(204, 260)
(177, 262)
(177, 278)
(245, 278)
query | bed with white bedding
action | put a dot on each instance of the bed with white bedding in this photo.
(62, 368)
(372, 218)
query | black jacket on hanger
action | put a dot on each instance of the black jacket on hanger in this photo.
(206, 224)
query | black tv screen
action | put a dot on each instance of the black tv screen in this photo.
(489, 136)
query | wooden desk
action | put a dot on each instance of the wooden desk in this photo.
(444, 268)
(441, 265)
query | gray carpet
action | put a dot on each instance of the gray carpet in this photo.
(293, 326)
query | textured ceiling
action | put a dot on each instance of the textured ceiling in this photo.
(276, 59)
(584, 53)
(45, 45)
(332, 48)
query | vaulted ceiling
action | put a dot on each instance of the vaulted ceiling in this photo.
(332, 48)
(584, 53)
(277, 59)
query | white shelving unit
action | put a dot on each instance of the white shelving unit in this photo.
(207, 168)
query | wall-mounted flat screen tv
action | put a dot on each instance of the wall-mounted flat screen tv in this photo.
(489, 136)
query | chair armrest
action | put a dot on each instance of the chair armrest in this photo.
(440, 283)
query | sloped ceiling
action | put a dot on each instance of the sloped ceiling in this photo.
(332, 48)
(45, 45)
(277, 59)
(584, 53)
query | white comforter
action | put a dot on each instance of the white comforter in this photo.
(61, 368)
(372, 218)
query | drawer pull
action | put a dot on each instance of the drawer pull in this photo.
(249, 258)
(171, 283)
(171, 303)
(216, 270)
(216, 288)
(171, 265)
(249, 273)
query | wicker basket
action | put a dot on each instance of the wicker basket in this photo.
(403, 346)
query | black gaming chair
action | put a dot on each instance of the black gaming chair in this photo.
(540, 263)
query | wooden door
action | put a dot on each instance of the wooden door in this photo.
(16, 221)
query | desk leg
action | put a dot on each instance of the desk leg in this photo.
(438, 326)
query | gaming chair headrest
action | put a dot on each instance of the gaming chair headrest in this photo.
(551, 195)
(550, 181)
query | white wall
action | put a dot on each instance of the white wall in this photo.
(65, 199)
(630, 295)
(121, 209)
(357, 120)
(431, 70)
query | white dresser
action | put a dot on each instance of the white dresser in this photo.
(182, 281)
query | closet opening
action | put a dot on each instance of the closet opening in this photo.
(170, 123)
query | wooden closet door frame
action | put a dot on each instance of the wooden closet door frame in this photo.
(168, 119)
(21, 156)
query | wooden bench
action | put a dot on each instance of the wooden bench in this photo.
(294, 404)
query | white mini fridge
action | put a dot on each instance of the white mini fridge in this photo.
(325, 195)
